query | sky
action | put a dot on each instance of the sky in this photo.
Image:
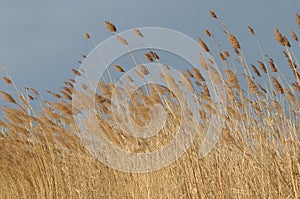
(41, 41)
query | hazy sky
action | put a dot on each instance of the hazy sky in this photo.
(41, 41)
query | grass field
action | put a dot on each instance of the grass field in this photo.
(257, 155)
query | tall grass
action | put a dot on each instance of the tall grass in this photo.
(257, 155)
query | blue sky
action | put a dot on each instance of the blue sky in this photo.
(41, 41)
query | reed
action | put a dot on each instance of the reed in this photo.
(257, 155)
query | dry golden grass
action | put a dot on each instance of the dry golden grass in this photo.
(257, 155)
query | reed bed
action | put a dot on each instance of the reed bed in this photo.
(257, 155)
